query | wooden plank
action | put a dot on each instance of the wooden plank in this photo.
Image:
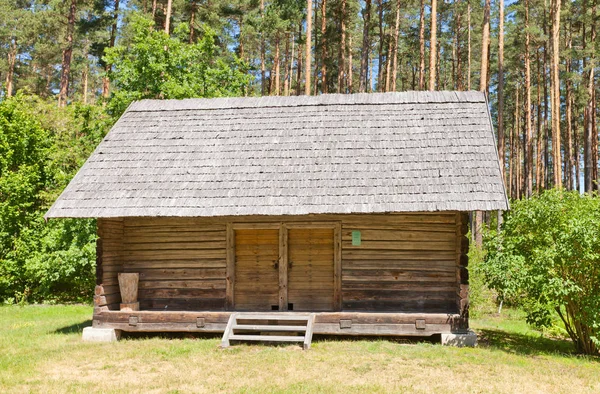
(160, 245)
(266, 338)
(401, 245)
(283, 268)
(310, 325)
(268, 327)
(230, 272)
(181, 293)
(398, 235)
(168, 263)
(182, 273)
(260, 226)
(213, 284)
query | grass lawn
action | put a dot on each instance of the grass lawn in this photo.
(41, 351)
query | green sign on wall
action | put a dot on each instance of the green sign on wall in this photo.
(355, 238)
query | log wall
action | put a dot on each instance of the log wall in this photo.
(181, 262)
(405, 262)
(109, 262)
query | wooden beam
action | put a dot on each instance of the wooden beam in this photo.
(230, 271)
(283, 268)
(337, 267)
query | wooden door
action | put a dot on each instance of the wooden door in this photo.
(256, 269)
(311, 269)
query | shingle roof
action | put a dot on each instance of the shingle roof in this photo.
(361, 153)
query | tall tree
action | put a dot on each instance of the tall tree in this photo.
(308, 43)
(485, 45)
(111, 43)
(555, 93)
(66, 56)
(433, 46)
(501, 144)
(324, 46)
(422, 46)
(395, 49)
(528, 140)
(366, 48)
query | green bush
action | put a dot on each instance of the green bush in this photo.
(41, 148)
(547, 259)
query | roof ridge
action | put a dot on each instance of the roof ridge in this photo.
(409, 97)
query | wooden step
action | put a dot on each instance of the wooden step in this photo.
(266, 338)
(235, 322)
(272, 317)
(269, 327)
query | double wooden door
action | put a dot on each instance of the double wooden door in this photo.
(284, 268)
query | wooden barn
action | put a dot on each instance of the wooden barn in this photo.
(347, 211)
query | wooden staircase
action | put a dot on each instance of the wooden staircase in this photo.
(269, 327)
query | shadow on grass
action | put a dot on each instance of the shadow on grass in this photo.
(74, 328)
(524, 344)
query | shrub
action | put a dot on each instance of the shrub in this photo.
(547, 258)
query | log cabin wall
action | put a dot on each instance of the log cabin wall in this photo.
(413, 262)
(181, 262)
(109, 262)
(404, 263)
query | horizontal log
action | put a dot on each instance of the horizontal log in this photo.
(188, 304)
(399, 295)
(432, 228)
(402, 275)
(160, 245)
(400, 264)
(100, 300)
(397, 254)
(169, 263)
(446, 286)
(377, 246)
(399, 235)
(181, 273)
(174, 254)
(212, 284)
(180, 293)
(431, 306)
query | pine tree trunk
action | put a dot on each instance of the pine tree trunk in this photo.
(342, 50)
(364, 59)
(350, 71)
(289, 60)
(111, 44)
(456, 49)
(546, 166)
(388, 66)
(12, 61)
(433, 45)
(168, 17)
(380, 80)
(262, 49)
(555, 94)
(299, 65)
(317, 58)
(422, 47)
(469, 45)
(154, 7)
(590, 134)
(66, 56)
(276, 65)
(483, 88)
(569, 113)
(485, 42)
(324, 46)
(528, 140)
(395, 49)
(501, 87)
(192, 17)
(308, 44)
(539, 173)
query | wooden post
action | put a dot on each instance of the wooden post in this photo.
(283, 268)
(337, 267)
(462, 273)
(230, 274)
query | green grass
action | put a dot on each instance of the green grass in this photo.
(42, 351)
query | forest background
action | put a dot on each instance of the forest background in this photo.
(70, 68)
